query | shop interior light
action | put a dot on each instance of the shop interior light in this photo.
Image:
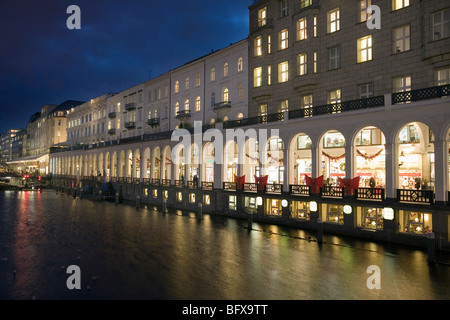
(347, 209)
(259, 201)
(313, 206)
(388, 213)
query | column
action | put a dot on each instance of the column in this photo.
(391, 171)
(441, 173)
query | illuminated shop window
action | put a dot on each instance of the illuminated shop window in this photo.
(300, 210)
(370, 218)
(415, 222)
(335, 213)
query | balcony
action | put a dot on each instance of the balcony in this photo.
(183, 114)
(112, 115)
(130, 106)
(254, 120)
(222, 105)
(421, 94)
(264, 23)
(415, 196)
(153, 122)
(130, 125)
(112, 131)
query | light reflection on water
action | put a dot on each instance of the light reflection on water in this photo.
(129, 253)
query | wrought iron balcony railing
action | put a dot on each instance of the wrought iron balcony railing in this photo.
(183, 114)
(112, 131)
(421, 94)
(153, 122)
(130, 124)
(130, 106)
(221, 105)
(112, 114)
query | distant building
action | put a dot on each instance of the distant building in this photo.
(10, 144)
(44, 130)
(86, 123)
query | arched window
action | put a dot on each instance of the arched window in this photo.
(186, 105)
(213, 99)
(240, 66)
(225, 69)
(225, 95)
(197, 104)
(177, 108)
(177, 86)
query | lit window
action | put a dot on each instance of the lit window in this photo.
(363, 5)
(307, 104)
(197, 104)
(398, 4)
(269, 47)
(262, 110)
(366, 90)
(225, 69)
(334, 96)
(225, 95)
(269, 75)
(283, 72)
(258, 46)
(257, 77)
(284, 39)
(402, 84)
(302, 64)
(197, 80)
(118, 124)
(240, 65)
(364, 49)
(213, 74)
(441, 24)
(333, 21)
(177, 86)
(315, 61)
(262, 17)
(305, 3)
(186, 105)
(186, 84)
(334, 56)
(301, 29)
(284, 106)
(415, 222)
(443, 76)
(315, 26)
(177, 108)
(401, 36)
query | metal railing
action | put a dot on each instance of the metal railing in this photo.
(359, 104)
(300, 189)
(370, 193)
(421, 94)
(418, 196)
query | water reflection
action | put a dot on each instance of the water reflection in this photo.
(129, 253)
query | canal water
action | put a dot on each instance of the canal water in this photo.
(128, 253)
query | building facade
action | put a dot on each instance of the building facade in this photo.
(342, 125)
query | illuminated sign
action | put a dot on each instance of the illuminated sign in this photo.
(388, 213)
(347, 209)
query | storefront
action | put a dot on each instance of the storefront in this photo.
(370, 158)
(333, 157)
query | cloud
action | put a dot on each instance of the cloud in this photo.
(41, 61)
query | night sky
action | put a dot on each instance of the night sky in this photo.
(121, 43)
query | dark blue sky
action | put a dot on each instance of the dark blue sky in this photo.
(120, 41)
